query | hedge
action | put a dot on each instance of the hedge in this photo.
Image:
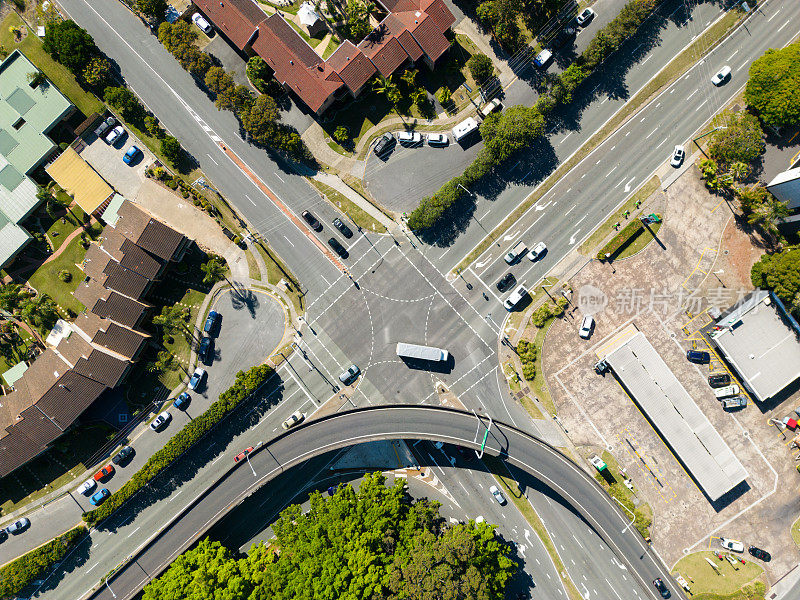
(547, 311)
(246, 383)
(622, 239)
(527, 356)
(18, 574)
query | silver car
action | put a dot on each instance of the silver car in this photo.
(87, 486)
(115, 135)
(17, 526)
(293, 420)
(498, 495)
(678, 154)
(160, 420)
(722, 76)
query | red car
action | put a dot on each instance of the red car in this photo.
(104, 473)
(242, 455)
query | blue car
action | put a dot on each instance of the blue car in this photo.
(131, 154)
(99, 497)
(182, 401)
(204, 347)
(211, 321)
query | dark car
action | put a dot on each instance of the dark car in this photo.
(3, 535)
(312, 221)
(759, 553)
(696, 356)
(340, 250)
(506, 282)
(719, 380)
(346, 232)
(182, 401)
(18, 526)
(564, 37)
(204, 347)
(211, 321)
(662, 589)
(123, 455)
(103, 127)
(385, 142)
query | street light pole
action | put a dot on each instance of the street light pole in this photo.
(109, 589)
(247, 456)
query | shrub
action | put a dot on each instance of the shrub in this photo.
(527, 355)
(481, 67)
(443, 95)
(247, 382)
(341, 134)
(65, 276)
(622, 239)
(171, 149)
(779, 272)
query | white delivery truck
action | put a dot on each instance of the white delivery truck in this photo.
(465, 128)
(418, 352)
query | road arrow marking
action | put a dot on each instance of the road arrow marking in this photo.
(543, 206)
(572, 239)
(482, 264)
(510, 236)
(628, 185)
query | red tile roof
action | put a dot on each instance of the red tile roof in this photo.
(351, 65)
(410, 45)
(441, 14)
(383, 49)
(237, 19)
(428, 35)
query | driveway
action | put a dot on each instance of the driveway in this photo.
(107, 161)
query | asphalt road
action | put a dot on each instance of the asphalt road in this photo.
(577, 487)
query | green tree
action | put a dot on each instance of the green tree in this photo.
(508, 132)
(739, 171)
(773, 89)
(125, 101)
(409, 77)
(258, 120)
(194, 60)
(172, 319)
(37, 78)
(768, 214)
(213, 270)
(152, 127)
(779, 272)
(341, 134)
(171, 149)
(741, 140)
(258, 73)
(750, 198)
(218, 80)
(40, 311)
(69, 44)
(11, 297)
(175, 36)
(481, 67)
(384, 86)
(443, 95)
(357, 13)
(98, 72)
(154, 10)
(419, 97)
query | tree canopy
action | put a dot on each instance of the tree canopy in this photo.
(481, 67)
(780, 273)
(741, 139)
(69, 44)
(371, 543)
(773, 89)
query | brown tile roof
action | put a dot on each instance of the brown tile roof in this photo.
(386, 54)
(425, 30)
(16, 450)
(351, 65)
(441, 14)
(91, 362)
(111, 335)
(394, 6)
(237, 19)
(148, 233)
(410, 45)
(110, 274)
(42, 374)
(109, 304)
(129, 255)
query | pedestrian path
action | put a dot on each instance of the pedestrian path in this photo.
(340, 186)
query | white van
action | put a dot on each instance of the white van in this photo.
(491, 107)
(516, 252)
(516, 296)
(463, 129)
(542, 58)
(728, 390)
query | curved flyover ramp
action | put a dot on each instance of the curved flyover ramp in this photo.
(316, 437)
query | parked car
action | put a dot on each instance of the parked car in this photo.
(211, 321)
(204, 347)
(409, 138)
(759, 553)
(115, 135)
(696, 356)
(338, 248)
(100, 497)
(3, 536)
(728, 390)
(542, 59)
(385, 142)
(586, 327)
(491, 106)
(735, 402)
(537, 251)
(123, 455)
(104, 473)
(661, 588)
(131, 155)
(564, 36)
(438, 139)
(343, 229)
(498, 495)
(721, 76)
(197, 378)
(350, 375)
(293, 420)
(201, 23)
(586, 15)
(87, 486)
(506, 282)
(719, 380)
(18, 526)
(182, 401)
(160, 421)
(732, 545)
(678, 154)
(243, 454)
(312, 221)
(104, 125)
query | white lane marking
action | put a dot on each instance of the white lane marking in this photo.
(744, 64)
(325, 280)
(651, 133)
(612, 170)
(134, 531)
(216, 459)
(604, 100)
(212, 159)
(566, 136)
(598, 162)
(693, 93)
(646, 59)
(175, 496)
(773, 16)
(737, 52)
(672, 91)
(279, 177)
(581, 219)
(486, 213)
(251, 200)
(92, 567)
(701, 105)
(570, 210)
(781, 27)
(290, 241)
(642, 121)
(662, 142)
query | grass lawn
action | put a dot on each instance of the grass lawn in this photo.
(276, 271)
(731, 583)
(58, 231)
(613, 484)
(539, 385)
(359, 216)
(31, 46)
(18, 353)
(796, 531)
(252, 265)
(333, 44)
(641, 241)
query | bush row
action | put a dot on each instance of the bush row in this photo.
(18, 574)
(619, 241)
(516, 128)
(547, 311)
(246, 383)
(527, 355)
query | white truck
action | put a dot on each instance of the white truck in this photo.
(516, 252)
(465, 128)
(418, 352)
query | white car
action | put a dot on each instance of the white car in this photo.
(722, 76)
(586, 327)
(160, 420)
(409, 137)
(732, 545)
(197, 378)
(204, 25)
(87, 486)
(537, 251)
(293, 420)
(542, 58)
(438, 139)
(115, 135)
(497, 495)
(678, 154)
(585, 16)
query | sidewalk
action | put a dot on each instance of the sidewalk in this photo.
(336, 183)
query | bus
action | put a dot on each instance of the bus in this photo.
(418, 352)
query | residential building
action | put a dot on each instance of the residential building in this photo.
(786, 188)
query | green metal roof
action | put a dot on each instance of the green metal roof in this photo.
(14, 373)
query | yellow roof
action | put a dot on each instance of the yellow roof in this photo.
(79, 179)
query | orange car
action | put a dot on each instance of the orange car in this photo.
(242, 455)
(104, 473)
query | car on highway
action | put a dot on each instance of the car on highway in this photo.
(115, 135)
(99, 497)
(294, 419)
(661, 588)
(721, 76)
(104, 473)
(586, 327)
(201, 23)
(586, 15)
(678, 154)
(409, 138)
(131, 155)
(385, 142)
(506, 281)
(759, 553)
(18, 526)
(311, 220)
(338, 248)
(438, 139)
(719, 380)
(87, 486)
(732, 545)
(697, 356)
(343, 229)
(160, 420)
(350, 375)
(123, 455)
(211, 321)
(243, 454)
(104, 125)
(498, 495)
(203, 348)
(538, 251)
(515, 298)
(197, 378)
(515, 253)
(182, 401)
(542, 59)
